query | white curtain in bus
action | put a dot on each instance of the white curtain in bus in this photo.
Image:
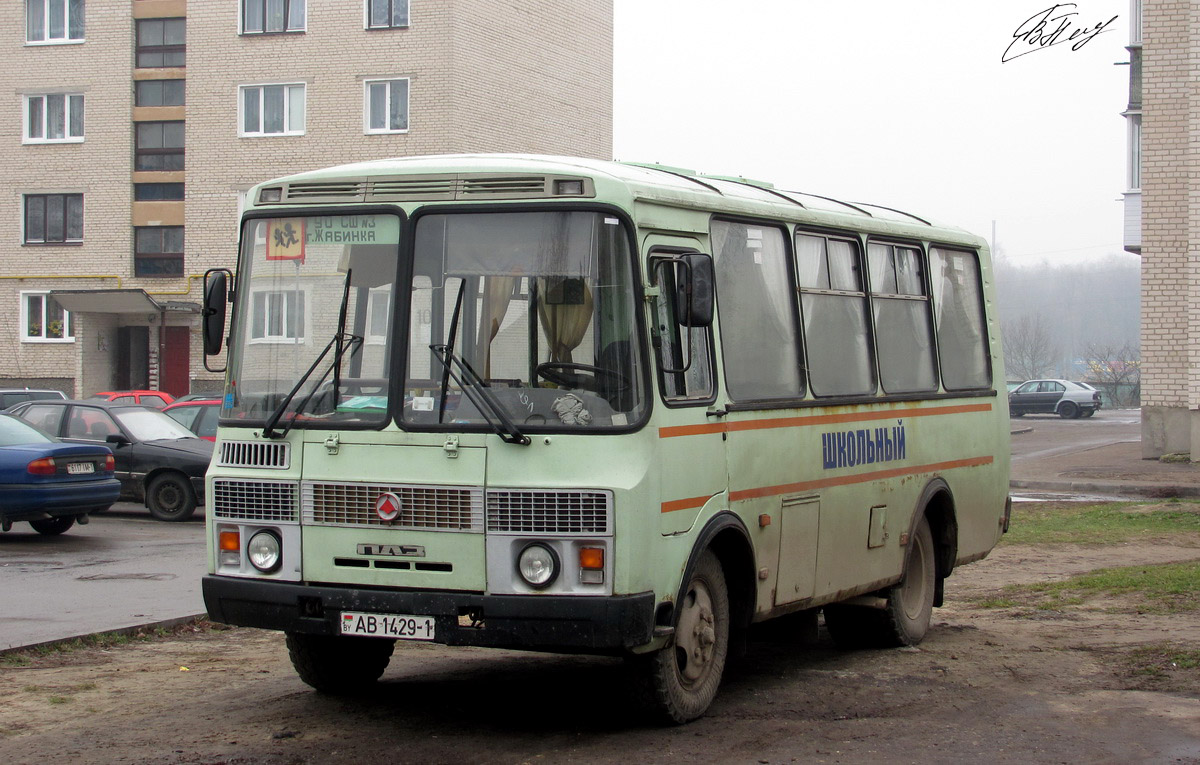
(503, 244)
(498, 292)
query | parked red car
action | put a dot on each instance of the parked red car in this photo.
(155, 398)
(197, 415)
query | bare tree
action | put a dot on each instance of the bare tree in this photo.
(1117, 370)
(1029, 350)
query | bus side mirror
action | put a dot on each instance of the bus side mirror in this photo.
(216, 296)
(694, 290)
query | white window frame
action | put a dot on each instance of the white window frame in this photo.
(367, 129)
(367, 15)
(285, 294)
(377, 335)
(26, 136)
(287, 14)
(66, 39)
(288, 96)
(68, 333)
(1134, 172)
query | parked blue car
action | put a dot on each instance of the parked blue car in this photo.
(49, 483)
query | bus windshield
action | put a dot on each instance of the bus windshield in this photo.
(315, 298)
(526, 317)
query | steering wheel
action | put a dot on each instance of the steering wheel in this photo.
(568, 373)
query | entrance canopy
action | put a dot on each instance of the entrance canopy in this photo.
(132, 301)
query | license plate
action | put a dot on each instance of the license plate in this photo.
(78, 468)
(397, 626)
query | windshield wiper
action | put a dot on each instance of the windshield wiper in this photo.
(341, 343)
(480, 395)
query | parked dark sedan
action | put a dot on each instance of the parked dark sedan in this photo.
(159, 462)
(48, 483)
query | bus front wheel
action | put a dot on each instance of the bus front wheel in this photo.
(904, 618)
(680, 680)
(336, 664)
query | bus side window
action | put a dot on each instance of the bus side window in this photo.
(669, 338)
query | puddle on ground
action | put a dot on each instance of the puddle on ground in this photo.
(1054, 496)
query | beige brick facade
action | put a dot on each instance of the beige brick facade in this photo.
(484, 75)
(1170, 228)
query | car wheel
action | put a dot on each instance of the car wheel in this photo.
(170, 497)
(52, 527)
(1089, 412)
(1068, 410)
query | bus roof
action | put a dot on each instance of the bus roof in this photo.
(484, 177)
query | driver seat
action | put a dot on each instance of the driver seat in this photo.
(616, 357)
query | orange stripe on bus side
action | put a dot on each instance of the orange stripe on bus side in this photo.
(816, 419)
(823, 483)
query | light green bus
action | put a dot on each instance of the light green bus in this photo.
(570, 405)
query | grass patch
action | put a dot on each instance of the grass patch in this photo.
(1169, 588)
(60, 699)
(1160, 661)
(1068, 523)
(26, 657)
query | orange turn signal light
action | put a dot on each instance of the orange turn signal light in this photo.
(591, 558)
(229, 540)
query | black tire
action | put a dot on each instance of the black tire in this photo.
(904, 620)
(1088, 412)
(1016, 414)
(680, 681)
(1068, 410)
(52, 527)
(169, 497)
(339, 664)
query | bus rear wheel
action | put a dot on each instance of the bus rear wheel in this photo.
(908, 608)
(336, 664)
(680, 681)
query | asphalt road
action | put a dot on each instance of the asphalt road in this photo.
(1049, 435)
(123, 569)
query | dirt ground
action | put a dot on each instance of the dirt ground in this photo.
(1089, 682)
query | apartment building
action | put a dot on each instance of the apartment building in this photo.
(137, 126)
(1165, 128)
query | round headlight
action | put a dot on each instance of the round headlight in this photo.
(538, 565)
(263, 551)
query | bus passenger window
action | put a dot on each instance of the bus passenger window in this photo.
(958, 314)
(754, 300)
(903, 332)
(834, 306)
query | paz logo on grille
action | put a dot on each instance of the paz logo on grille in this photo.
(387, 506)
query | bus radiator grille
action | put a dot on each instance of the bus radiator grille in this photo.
(255, 500)
(447, 508)
(254, 454)
(549, 512)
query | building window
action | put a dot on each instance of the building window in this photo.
(269, 16)
(44, 320)
(272, 110)
(53, 218)
(1135, 152)
(54, 118)
(159, 146)
(387, 14)
(159, 93)
(158, 251)
(53, 21)
(1135, 22)
(157, 192)
(387, 106)
(161, 42)
(277, 316)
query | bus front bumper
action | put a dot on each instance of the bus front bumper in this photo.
(533, 622)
